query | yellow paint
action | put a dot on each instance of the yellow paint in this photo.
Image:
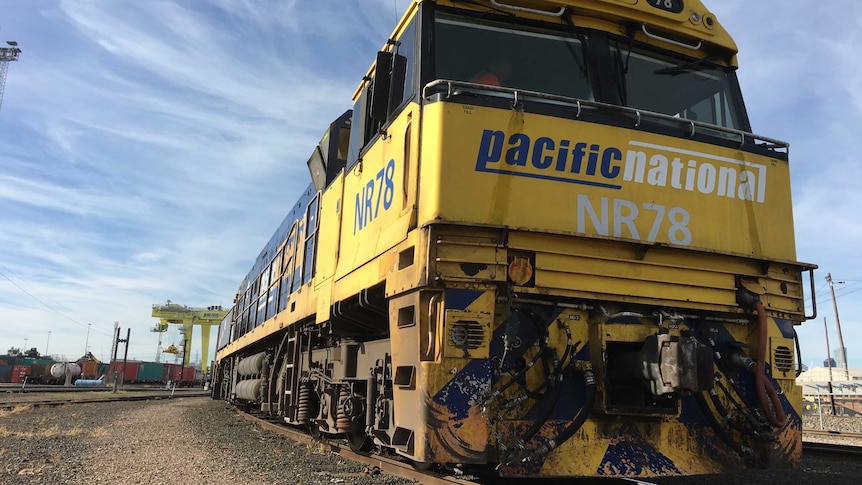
(639, 204)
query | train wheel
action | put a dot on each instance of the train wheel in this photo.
(314, 430)
(358, 441)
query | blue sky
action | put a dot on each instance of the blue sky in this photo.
(149, 149)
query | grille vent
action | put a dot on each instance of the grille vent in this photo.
(467, 335)
(783, 358)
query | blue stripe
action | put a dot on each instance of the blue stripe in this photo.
(786, 327)
(548, 177)
(461, 299)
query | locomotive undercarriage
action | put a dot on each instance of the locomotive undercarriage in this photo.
(522, 361)
(540, 376)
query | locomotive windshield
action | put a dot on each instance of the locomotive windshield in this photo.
(495, 54)
(691, 89)
(586, 66)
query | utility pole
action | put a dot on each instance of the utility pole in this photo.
(48, 342)
(829, 365)
(117, 342)
(838, 324)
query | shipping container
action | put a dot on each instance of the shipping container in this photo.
(19, 372)
(150, 372)
(40, 373)
(127, 374)
(89, 370)
(5, 373)
(173, 373)
(188, 374)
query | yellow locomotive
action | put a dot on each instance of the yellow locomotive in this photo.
(544, 242)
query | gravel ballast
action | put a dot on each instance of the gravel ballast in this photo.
(201, 441)
(181, 441)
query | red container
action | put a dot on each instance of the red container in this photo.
(19, 372)
(173, 372)
(188, 374)
(131, 370)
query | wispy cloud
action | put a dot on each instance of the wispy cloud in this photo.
(149, 149)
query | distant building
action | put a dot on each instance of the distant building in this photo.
(816, 381)
(830, 362)
(838, 357)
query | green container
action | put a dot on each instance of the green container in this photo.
(150, 372)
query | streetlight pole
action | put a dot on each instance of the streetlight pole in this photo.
(48, 342)
(87, 342)
(25, 346)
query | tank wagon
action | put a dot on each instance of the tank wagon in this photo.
(544, 243)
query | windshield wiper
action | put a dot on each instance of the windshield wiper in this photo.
(689, 66)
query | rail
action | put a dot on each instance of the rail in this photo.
(397, 467)
(39, 400)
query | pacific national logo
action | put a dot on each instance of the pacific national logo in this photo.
(584, 163)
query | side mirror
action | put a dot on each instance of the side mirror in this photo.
(399, 74)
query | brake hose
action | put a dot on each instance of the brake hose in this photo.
(765, 390)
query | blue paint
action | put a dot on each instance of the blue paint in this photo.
(461, 299)
(465, 389)
(786, 327)
(633, 455)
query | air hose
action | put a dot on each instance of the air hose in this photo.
(765, 391)
(578, 421)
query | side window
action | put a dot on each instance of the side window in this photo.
(403, 67)
(358, 128)
(394, 75)
(310, 239)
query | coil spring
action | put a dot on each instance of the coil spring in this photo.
(308, 406)
(342, 418)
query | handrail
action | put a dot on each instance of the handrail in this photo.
(671, 41)
(432, 324)
(813, 299)
(577, 104)
(529, 10)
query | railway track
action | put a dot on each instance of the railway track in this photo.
(850, 451)
(847, 449)
(400, 468)
(826, 432)
(43, 388)
(51, 399)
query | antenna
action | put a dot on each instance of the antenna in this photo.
(7, 54)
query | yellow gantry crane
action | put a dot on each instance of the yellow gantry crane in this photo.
(188, 317)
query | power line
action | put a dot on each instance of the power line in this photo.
(58, 312)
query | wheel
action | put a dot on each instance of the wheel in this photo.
(422, 465)
(314, 430)
(358, 441)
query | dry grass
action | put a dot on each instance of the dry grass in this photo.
(52, 432)
(31, 471)
(15, 410)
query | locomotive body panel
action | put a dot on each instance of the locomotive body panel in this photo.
(581, 265)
